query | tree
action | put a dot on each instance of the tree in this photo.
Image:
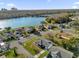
(11, 53)
(8, 29)
(43, 22)
(25, 33)
(64, 19)
(75, 24)
(31, 29)
(49, 20)
(70, 44)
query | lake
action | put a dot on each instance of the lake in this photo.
(21, 22)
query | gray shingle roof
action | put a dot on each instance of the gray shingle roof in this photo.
(45, 43)
(64, 53)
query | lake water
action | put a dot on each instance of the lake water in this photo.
(20, 22)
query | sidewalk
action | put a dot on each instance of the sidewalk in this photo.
(36, 56)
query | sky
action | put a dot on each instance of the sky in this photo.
(40, 4)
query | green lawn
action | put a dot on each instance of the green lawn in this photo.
(44, 54)
(13, 54)
(31, 47)
(10, 54)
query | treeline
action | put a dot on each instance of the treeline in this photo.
(26, 13)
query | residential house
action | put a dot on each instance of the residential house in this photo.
(9, 34)
(54, 54)
(44, 44)
(18, 34)
(59, 52)
(3, 56)
(42, 27)
(31, 30)
(21, 40)
(52, 26)
(65, 35)
(3, 46)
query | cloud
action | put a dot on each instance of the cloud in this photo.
(11, 5)
(75, 7)
(49, 0)
(76, 3)
(1, 3)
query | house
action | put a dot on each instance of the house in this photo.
(54, 54)
(65, 35)
(77, 47)
(9, 34)
(52, 26)
(31, 30)
(44, 44)
(3, 46)
(18, 34)
(59, 52)
(42, 27)
(3, 56)
(21, 40)
(20, 29)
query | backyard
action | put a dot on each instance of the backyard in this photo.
(13, 54)
(31, 47)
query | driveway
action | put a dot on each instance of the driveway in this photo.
(20, 49)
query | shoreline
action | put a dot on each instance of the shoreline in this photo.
(9, 14)
(20, 17)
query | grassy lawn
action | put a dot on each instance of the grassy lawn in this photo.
(44, 54)
(10, 54)
(21, 56)
(13, 54)
(31, 47)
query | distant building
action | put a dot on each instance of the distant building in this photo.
(59, 52)
(3, 9)
(44, 44)
(14, 9)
